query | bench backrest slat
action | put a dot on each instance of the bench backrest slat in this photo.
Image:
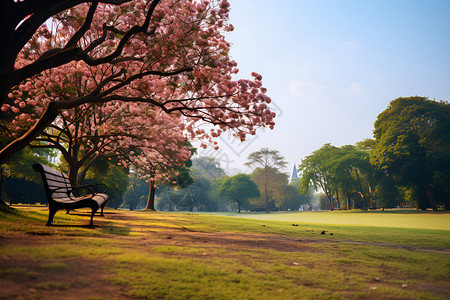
(57, 184)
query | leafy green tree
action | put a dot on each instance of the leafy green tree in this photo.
(354, 174)
(316, 170)
(266, 160)
(275, 187)
(239, 189)
(412, 145)
(202, 187)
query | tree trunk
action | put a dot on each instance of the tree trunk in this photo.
(73, 173)
(337, 199)
(348, 200)
(423, 201)
(265, 193)
(330, 199)
(81, 175)
(431, 197)
(239, 207)
(151, 197)
(361, 189)
(370, 195)
(2, 203)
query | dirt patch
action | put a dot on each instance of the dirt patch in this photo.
(72, 278)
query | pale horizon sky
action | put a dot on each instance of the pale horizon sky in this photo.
(331, 67)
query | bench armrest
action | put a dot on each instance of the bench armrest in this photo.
(82, 190)
(89, 189)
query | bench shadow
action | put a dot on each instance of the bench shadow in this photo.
(80, 214)
(74, 226)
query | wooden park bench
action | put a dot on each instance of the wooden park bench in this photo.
(61, 195)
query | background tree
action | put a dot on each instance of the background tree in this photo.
(239, 189)
(345, 171)
(203, 200)
(354, 174)
(316, 170)
(266, 160)
(208, 167)
(171, 54)
(292, 199)
(274, 182)
(19, 182)
(176, 191)
(204, 171)
(412, 145)
(136, 194)
(214, 195)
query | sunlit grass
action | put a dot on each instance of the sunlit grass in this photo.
(394, 218)
(198, 256)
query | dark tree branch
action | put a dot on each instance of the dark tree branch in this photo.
(84, 28)
(59, 57)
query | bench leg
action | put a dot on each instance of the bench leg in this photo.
(91, 223)
(51, 214)
(101, 209)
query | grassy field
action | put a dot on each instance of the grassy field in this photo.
(159, 255)
(388, 218)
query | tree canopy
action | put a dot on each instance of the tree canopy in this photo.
(342, 170)
(170, 54)
(238, 189)
(412, 145)
(267, 160)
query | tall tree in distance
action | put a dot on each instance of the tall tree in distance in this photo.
(412, 145)
(266, 160)
(276, 185)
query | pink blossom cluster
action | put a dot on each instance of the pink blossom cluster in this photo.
(165, 83)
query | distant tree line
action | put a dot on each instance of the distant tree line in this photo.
(407, 163)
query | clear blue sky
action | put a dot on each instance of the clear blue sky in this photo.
(331, 66)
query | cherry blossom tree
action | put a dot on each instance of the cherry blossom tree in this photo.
(168, 54)
(123, 131)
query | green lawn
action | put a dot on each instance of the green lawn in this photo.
(398, 219)
(160, 255)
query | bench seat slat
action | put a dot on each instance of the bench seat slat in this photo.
(100, 198)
